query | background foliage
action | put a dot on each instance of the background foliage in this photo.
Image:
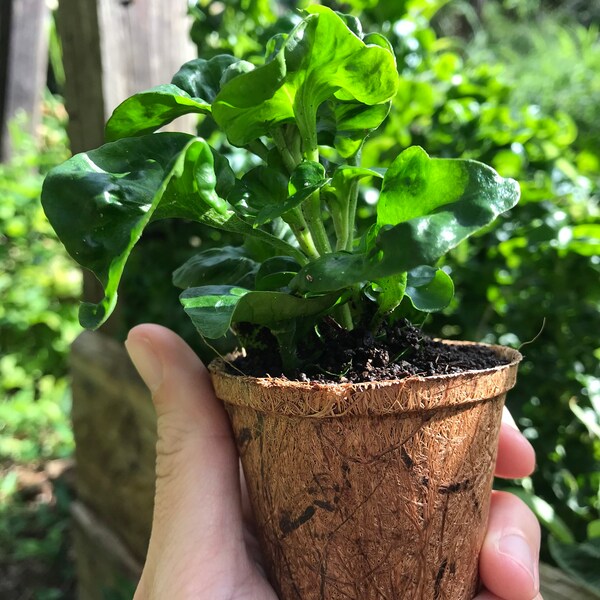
(501, 81)
(40, 287)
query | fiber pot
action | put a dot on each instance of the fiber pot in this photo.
(374, 490)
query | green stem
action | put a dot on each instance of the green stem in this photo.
(314, 219)
(352, 204)
(345, 317)
(295, 219)
(258, 147)
(340, 223)
(288, 160)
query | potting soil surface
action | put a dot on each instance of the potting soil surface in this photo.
(397, 351)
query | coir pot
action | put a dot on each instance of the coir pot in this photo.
(374, 490)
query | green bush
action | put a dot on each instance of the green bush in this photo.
(40, 287)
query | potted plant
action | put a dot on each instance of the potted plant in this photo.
(368, 448)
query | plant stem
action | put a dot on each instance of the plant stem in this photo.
(352, 203)
(258, 147)
(295, 219)
(286, 155)
(314, 218)
(345, 317)
(313, 212)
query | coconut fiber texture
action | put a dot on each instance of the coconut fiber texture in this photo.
(374, 490)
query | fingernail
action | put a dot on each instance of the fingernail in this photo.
(517, 548)
(145, 361)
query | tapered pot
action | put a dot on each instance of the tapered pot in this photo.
(370, 491)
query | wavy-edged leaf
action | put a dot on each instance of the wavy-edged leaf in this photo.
(257, 189)
(202, 78)
(346, 125)
(192, 90)
(217, 266)
(320, 58)
(99, 203)
(213, 309)
(307, 178)
(429, 207)
(149, 110)
(416, 185)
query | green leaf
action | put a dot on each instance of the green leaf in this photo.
(345, 125)
(202, 78)
(417, 186)
(320, 58)
(217, 266)
(249, 104)
(213, 309)
(192, 90)
(392, 290)
(580, 561)
(149, 110)
(99, 203)
(258, 188)
(307, 178)
(429, 289)
(276, 272)
(426, 208)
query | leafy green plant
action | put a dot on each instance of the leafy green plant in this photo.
(304, 114)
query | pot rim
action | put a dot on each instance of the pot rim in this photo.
(276, 395)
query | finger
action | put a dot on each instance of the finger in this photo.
(508, 563)
(516, 456)
(197, 501)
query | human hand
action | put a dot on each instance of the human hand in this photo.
(202, 545)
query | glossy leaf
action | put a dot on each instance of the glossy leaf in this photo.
(320, 58)
(426, 208)
(99, 203)
(416, 185)
(192, 90)
(217, 266)
(202, 78)
(307, 178)
(149, 110)
(429, 289)
(258, 188)
(275, 273)
(345, 126)
(213, 309)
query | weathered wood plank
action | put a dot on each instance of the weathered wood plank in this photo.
(114, 427)
(113, 49)
(105, 565)
(24, 44)
(556, 585)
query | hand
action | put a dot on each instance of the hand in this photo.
(202, 546)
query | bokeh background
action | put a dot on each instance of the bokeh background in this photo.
(514, 83)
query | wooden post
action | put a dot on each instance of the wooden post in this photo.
(23, 64)
(111, 50)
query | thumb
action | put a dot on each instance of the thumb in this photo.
(197, 502)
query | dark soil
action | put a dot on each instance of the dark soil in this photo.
(397, 351)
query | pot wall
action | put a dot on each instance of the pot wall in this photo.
(376, 491)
